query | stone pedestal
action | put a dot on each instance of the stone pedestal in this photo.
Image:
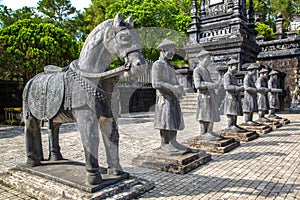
(220, 146)
(260, 129)
(280, 120)
(67, 180)
(273, 124)
(175, 164)
(240, 136)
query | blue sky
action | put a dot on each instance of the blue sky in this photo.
(16, 4)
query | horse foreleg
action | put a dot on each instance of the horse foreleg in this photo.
(54, 148)
(33, 140)
(88, 126)
(110, 135)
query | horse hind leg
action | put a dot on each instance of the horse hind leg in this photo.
(54, 148)
(33, 140)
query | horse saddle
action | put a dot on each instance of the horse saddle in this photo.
(46, 94)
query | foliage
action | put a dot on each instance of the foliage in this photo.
(151, 13)
(92, 16)
(62, 14)
(265, 30)
(26, 47)
(8, 16)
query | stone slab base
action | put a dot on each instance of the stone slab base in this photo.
(280, 120)
(260, 129)
(274, 125)
(220, 146)
(239, 136)
(174, 164)
(66, 180)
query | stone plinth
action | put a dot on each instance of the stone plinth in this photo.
(273, 124)
(260, 129)
(174, 164)
(280, 120)
(67, 180)
(239, 136)
(220, 146)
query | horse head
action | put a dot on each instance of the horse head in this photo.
(122, 40)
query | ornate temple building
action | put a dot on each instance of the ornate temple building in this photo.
(226, 28)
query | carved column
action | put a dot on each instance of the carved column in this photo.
(194, 25)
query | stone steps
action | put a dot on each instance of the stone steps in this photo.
(188, 103)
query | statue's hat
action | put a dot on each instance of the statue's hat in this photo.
(263, 70)
(233, 62)
(251, 66)
(273, 72)
(166, 44)
(203, 52)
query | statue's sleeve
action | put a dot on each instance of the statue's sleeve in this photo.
(228, 85)
(200, 83)
(247, 87)
(159, 79)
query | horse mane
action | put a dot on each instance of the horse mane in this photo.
(95, 37)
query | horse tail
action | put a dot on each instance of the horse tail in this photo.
(26, 110)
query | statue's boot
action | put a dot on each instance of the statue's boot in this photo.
(169, 145)
(94, 177)
(252, 123)
(263, 119)
(211, 136)
(114, 171)
(236, 129)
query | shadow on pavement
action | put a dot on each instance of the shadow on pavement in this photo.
(244, 156)
(193, 184)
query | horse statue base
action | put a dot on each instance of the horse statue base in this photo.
(52, 181)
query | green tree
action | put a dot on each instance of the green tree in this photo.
(62, 14)
(265, 30)
(26, 47)
(9, 16)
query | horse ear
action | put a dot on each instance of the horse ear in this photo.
(109, 34)
(119, 19)
(129, 20)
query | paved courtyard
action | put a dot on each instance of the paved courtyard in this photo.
(265, 168)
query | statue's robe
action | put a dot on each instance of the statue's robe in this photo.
(232, 102)
(207, 109)
(168, 114)
(250, 95)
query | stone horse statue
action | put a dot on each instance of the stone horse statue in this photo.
(81, 93)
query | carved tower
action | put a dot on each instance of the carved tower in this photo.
(225, 28)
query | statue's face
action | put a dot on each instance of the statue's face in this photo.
(252, 72)
(168, 53)
(206, 60)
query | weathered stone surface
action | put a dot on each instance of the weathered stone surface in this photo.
(52, 181)
(260, 129)
(175, 164)
(240, 136)
(280, 120)
(273, 124)
(220, 146)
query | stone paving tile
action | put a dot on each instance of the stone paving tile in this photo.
(265, 168)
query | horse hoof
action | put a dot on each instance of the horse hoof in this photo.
(94, 178)
(56, 156)
(33, 163)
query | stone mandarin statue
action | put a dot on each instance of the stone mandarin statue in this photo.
(262, 95)
(273, 85)
(168, 117)
(232, 101)
(207, 108)
(250, 95)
